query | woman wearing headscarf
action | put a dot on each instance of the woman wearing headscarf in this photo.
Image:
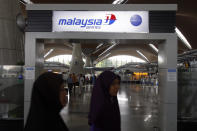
(104, 109)
(48, 98)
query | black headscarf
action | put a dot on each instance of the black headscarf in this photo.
(104, 109)
(45, 104)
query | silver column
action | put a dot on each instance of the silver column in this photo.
(88, 62)
(167, 60)
(77, 63)
(34, 62)
(11, 38)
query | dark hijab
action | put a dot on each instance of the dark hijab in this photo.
(104, 109)
(45, 104)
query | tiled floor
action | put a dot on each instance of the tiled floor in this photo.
(138, 106)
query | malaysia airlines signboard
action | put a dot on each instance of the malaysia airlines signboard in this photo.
(101, 21)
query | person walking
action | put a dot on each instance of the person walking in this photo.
(74, 80)
(70, 83)
(65, 77)
(48, 99)
(81, 82)
(104, 112)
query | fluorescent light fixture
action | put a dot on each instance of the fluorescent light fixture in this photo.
(108, 49)
(98, 48)
(95, 51)
(154, 48)
(99, 45)
(28, 1)
(51, 50)
(182, 37)
(147, 118)
(142, 55)
(100, 59)
(23, 2)
(105, 56)
(118, 1)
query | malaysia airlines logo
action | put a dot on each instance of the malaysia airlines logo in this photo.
(110, 19)
(88, 23)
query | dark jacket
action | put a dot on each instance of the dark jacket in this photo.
(45, 105)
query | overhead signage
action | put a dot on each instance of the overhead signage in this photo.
(101, 21)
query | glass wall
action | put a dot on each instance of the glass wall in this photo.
(119, 60)
(64, 59)
(11, 92)
(187, 93)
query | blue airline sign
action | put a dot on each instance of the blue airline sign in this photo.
(101, 21)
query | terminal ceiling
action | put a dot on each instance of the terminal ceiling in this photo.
(186, 22)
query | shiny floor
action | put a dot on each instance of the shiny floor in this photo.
(138, 107)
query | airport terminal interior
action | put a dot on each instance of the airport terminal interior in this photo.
(150, 44)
